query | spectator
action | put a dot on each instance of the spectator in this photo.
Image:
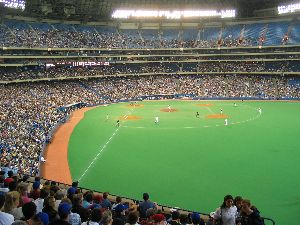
(118, 201)
(49, 208)
(78, 208)
(119, 215)
(227, 211)
(96, 216)
(59, 195)
(249, 216)
(23, 190)
(144, 205)
(29, 212)
(5, 218)
(74, 218)
(88, 200)
(159, 219)
(12, 200)
(64, 211)
(196, 220)
(106, 203)
(35, 192)
(40, 201)
(43, 217)
(106, 218)
(175, 218)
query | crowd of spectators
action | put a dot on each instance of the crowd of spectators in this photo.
(66, 38)
(29, 112)
(47, 203)
(37, 72)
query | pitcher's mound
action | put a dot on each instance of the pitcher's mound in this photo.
(205, 105)
(131, 117)
(217, 116)
(168, 110)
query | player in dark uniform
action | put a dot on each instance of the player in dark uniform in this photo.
(118, 123)
(197, 114)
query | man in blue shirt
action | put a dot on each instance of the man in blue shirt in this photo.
(144, 205)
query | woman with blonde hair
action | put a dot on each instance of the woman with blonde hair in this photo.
(23, 190)
(12, 200)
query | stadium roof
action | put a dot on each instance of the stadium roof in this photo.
(102, 9)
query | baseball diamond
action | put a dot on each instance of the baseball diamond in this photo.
(160, 156)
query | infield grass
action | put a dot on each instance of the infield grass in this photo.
(192, 162)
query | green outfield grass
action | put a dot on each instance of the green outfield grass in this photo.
(192, 162)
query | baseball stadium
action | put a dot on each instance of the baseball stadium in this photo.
(137, 112)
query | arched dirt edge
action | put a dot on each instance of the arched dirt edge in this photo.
(56, 167)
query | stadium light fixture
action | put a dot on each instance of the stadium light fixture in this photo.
(17, 4)
(288, 8)
(175, 14)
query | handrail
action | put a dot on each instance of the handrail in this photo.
(269, 219)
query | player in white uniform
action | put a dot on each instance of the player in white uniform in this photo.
(226, 122)
(259, 111)
(156, 120)
(169, 107)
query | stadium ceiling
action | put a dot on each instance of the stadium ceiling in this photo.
(89, 10)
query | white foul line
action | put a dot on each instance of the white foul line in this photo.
(97, 156)
(103, 147)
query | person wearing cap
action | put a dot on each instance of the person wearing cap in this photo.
(74, 218)
(227, 212)
(119, 215)
(64, 210)
(35, 192)
(159, 219)
(144, 205)
(196, 219)
(43, 217)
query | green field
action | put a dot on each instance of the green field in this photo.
(192, 162)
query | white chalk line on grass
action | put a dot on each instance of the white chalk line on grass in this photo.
(205, 126)
(209, 109)
(103, 147)
(98, 154)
